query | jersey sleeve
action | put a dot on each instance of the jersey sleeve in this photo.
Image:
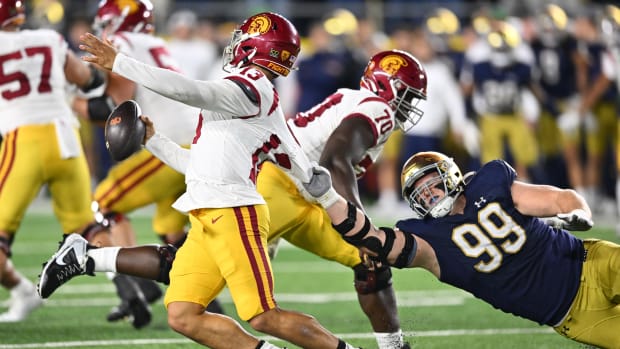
(168, 152)
(222, 96)
(503, 172)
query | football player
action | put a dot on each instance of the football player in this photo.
(482, 234)
(141, 179)
(241, 125)
(497, 74)
(41, 145)
(561, 73)
(346, 133)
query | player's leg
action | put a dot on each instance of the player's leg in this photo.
(195, 281)
(594, 316)
(373, 285)
(133, 183)
(308, 227)
(237, 242)
(22, 180)
(523, 146)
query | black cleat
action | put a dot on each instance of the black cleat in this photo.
(134, 308)
(68, 262)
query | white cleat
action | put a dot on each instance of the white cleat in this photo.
(21, 305)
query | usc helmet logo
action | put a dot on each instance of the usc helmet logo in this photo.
(132, 5)
(115, 120)
(392, 64)
(259, 24)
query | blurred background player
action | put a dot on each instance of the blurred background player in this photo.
(498, 76)
(141, 179)
(560, 71)
(593, 121)
(41, 145)
(198, 56)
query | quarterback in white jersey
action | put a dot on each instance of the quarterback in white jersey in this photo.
(346, 133)
(41, 144)
(241, 126)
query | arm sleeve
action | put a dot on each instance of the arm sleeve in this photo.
(168, 152)
(222, 96)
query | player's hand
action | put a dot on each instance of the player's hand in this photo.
(320, 182)
(102, 52)
(150, 128)
(320, 187)
(576, 220)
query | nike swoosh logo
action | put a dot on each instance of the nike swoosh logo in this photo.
(213, 220)
(60, 257)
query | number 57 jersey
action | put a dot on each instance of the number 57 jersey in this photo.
(514, 262)
(32, 79)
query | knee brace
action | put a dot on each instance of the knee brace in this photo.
(166, 257)
(371, 281)
(176, 244)
(5, 245)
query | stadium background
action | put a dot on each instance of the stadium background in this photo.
(434, 316)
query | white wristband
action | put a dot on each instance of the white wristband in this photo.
(328, 199)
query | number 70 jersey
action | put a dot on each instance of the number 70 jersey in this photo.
(32, 79)
(312, 128)
(514, 262)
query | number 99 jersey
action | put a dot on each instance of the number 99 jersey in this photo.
(514, 262)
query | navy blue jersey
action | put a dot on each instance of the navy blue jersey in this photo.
(516, 263)
(595, 53)
(500, 88)
(557, 69)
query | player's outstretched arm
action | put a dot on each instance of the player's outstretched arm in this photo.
(567, 209)
(164, 148)
(386, 245)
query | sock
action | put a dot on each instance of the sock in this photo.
(344, 345)
(389, 340)
(104, 258)
(266, 345)
(24, 287)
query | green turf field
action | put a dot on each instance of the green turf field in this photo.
(432, 315)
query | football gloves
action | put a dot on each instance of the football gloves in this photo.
(320, 187)
(575, 220)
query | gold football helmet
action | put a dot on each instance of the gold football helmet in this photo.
(449, 178)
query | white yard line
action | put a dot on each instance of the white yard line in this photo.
(425, 298)
(147, 342)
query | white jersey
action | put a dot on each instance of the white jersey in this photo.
(33, 83)
(234, 135)
(174, 119)
(313, 127)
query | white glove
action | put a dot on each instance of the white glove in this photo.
(320, 187)
(569, 122)
(471, 138)
(575, 220)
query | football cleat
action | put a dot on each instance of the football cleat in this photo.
(69, 261)
(134, 307)
(22, 303)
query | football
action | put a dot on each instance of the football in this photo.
(124, 131)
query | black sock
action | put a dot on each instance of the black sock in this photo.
(260, 344)
(341, 344)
